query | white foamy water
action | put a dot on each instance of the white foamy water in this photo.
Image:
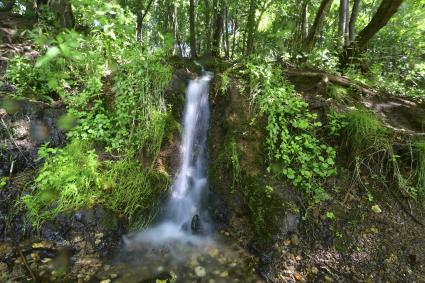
(183, 219)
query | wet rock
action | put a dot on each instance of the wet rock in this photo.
(195, 225)
(96, 230)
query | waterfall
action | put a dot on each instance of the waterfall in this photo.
(183, 218)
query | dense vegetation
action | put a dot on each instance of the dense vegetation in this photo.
(109, 63)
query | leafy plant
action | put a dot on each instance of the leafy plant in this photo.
(291, 140)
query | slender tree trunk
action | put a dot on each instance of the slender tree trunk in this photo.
(226, 31)
(192, 29)
(234, 29)
(207, 27)
(218, 25)
(343, 7)
(64, 11)
(251, 27)
(317, 27)
(139, 27)
(304, 21)
(346, 26)
(353, 19)
(384, 13)
(139, 21)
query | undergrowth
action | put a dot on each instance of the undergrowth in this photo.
(69, 180)
(113, 91)
(292, 140)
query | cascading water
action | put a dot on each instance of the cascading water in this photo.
(182, 246)
(183, 218)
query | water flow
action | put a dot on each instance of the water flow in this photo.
(183, 218)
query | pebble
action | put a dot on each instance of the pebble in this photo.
(113, 275)
(314, 270)
(200, 271)
(298, 276)
(376, 209)
(224, 274)
(97, 242)
(35, 256)
(295, 240)
(99, 235)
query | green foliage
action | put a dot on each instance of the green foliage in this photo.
(336, 122)
(134, 191)
(291, 140)
(363, 130)
(69, 179)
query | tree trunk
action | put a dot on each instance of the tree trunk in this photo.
(251, 27)
(226, 31)
(347, 21)
(140, 16)
(343, 7)
(384, 13)
(207, 27)
(234, 28)
(139, 26)
(192, 29)
(64, 11)
(317, 27)
(353, 19)
(218, 25)
(304, 21)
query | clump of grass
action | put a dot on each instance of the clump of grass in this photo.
(72, 178)
(419, 153)
(363, 130)
(133, 191)
(338, 93)
(234, 162)
(69, 180)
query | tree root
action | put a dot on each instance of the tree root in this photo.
(326, 78)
